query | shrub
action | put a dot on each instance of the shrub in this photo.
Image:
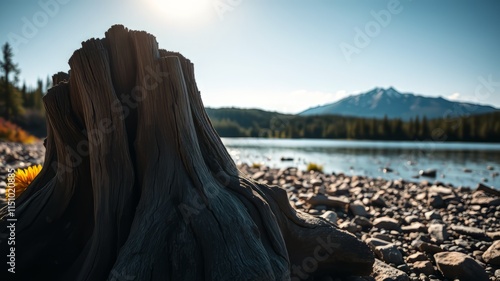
(11, 132)
(314, 167)
(256, 165)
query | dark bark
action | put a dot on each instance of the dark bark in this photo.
(137, 185)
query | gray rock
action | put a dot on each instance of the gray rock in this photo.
(386, 223)
(435, 200)
(455, 265)
(363, 222)
(438, 232)
(473, 232)
(492, 254)
(428, 173)
(358, 209)
(426, 247)
(330, 216)
(389, 254)
(378, 201)
(385, 272)
(350, 227)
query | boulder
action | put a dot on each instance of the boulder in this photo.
(455, 265)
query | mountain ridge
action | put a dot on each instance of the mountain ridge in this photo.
(380, 102)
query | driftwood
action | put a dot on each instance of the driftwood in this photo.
(137, 185)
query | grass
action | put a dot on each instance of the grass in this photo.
(11, 132)
(256, 165)
(314, 167)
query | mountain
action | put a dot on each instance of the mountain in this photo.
(380, 102)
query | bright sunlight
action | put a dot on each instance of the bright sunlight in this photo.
(183, 11)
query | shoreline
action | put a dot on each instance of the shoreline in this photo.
(408, 225)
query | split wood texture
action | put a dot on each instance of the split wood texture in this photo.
(137, 185)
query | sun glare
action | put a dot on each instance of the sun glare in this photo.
(185, 11)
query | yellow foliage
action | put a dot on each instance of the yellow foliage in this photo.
(314, 167)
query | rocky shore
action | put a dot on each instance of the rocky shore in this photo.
(417, 230)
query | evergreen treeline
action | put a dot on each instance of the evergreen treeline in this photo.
(233, 122)
(20, 103)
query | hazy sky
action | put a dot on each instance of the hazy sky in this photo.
(283, 55)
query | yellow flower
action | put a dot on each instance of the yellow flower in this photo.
(24, 177)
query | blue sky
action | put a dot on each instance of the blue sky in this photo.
(283, 55)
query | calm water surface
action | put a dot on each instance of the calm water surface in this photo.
(460, 164)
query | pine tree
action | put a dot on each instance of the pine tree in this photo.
(8, 67)
(38, 95)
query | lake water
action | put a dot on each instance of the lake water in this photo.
(459, 164)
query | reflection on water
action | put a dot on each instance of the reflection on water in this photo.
(460, 164)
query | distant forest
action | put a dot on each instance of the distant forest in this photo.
(234, 122)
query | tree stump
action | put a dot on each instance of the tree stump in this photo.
(137, 185)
